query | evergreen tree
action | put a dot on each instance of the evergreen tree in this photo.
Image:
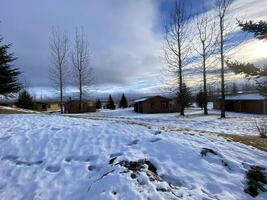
(98, 104)
(184, 97)
(25, 100)
(200, 99)
(234, 89)
(8, 75)
(110, 104)
(251, 71)
(123, 102)
(258, 28)
(260, 32)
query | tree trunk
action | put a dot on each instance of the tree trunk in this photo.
(81, 92)
(222, 71)
(205, 82)
(180, 77)
(61, 91)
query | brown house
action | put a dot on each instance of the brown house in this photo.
(73, 106)
(40, 106)
(156, 104)
(245, 103)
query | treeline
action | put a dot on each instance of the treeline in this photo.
(123, 103)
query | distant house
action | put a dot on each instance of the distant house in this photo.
(245, 103)
(46, 106)
(40, 106)
(53, 106)
(155, 104)
(73, 106)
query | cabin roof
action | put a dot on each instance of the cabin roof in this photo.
(148, 98)
(252, 96)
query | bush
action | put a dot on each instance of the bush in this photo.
(262, 128)
(25, 100)
(256, 179)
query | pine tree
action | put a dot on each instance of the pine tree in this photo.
(251, 71)
(98, 104)
(123, 102)
(260, 32)
(184, 97)
(8, 75)
(258, 28)
(200, 99)
(25, 100)
(234, 89)
(110, 104)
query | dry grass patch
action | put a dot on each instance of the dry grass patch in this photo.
(9, 111)
(255, 141)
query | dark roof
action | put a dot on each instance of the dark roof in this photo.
(149, 98)
(251, 96)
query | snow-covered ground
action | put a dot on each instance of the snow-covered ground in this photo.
(235, 123)
(58, 157)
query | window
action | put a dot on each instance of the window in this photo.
(152, 105)
(163, 105)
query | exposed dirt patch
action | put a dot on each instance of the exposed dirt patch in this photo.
(9, 111)
(255, 141)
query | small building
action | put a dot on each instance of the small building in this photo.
(40, 106)
(43, 106)
(155, 104)
(73, 106)
(53, 106)
(244, 103)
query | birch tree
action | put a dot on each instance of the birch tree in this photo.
(80, 57)
(177, 46)
(222, 7)
(207, 38)
(59, 48)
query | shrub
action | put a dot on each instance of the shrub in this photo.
(262, 128)
(256, 179)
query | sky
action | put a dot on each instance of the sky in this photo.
(125, 39)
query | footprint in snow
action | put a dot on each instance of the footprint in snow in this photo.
(55, 129)
(93, 168)
(157, 132)
(16, 161)
(133, 142)
(80, 158)
(155, 140)
(115, 154)
(53, 168)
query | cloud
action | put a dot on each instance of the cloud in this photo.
(120, 33)
(125, 37)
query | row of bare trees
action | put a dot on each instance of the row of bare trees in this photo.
(180, 47)
(70, 65)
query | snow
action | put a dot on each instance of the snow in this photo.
(141, 100)
(254, 96)
(58, 157)
(194, 120)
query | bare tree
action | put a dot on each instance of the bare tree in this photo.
(222, 7)
(177, 47)
(207, 37)
(80, 57)
(59, 48)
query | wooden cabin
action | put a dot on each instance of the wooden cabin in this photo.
(155, 104)
(244, 103)
(73, 106)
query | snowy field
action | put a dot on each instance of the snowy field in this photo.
(59, 157)
(235, 123)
